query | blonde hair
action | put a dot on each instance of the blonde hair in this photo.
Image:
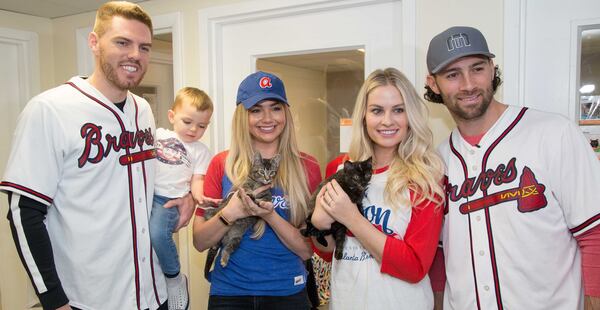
(291, 176)
(416, 165)
(125, 9)
(195, 97)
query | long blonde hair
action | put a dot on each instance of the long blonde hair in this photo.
(291, 176)
(416, 165)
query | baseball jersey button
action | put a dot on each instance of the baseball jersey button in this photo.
(481, 253)
(474, 167)
(143, 230)
(485, 287)
(471, 152)
(139, 199)
(478, 218)
(143, 259)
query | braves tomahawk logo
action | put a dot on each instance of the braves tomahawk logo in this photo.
(98, 146)
(529, 194)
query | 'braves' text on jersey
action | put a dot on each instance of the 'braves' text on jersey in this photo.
(92, 165)
(514, 203)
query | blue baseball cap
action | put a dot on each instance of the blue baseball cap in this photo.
(260, 86)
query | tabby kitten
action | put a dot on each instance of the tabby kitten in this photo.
(353, 179)
(262, 172)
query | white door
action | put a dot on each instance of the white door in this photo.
(233, 37)
(19, 79)
(541, 53)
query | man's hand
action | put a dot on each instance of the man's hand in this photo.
(186, 206)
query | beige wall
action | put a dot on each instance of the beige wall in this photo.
(58, 62)
(304, 88)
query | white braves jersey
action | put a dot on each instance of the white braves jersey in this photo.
(515, 204)
(177, 162)
(357, 281)
(89, 162)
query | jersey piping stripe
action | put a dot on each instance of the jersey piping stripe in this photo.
(466, 173)
(137, 128)
(488, 219)
(28, 191)
(23, 248)
(585, 224)
(131, 199)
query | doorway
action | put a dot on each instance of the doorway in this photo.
(321, 89)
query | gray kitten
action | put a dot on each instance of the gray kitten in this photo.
(261, 173)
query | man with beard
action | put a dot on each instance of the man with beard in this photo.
(522, 219)
(80, 178)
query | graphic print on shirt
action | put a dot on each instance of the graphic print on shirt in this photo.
(96, 148)
(380, 218)
(529, 193)
(171, 151)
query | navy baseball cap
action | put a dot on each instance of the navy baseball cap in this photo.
(260, 86)
(454, 43)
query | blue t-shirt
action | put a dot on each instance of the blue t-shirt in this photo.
(262, 267)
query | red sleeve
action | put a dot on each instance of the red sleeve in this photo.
(589, 243)
(437, 272)
(409, 259)
(213, 187)
(313, 171)
(333, 166)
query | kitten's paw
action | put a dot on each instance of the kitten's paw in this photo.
(224, 260)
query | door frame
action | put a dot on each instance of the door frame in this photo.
(212, 21)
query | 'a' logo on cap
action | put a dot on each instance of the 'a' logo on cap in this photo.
(458, 41)
(265, 82)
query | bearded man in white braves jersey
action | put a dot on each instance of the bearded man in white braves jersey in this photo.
(80, 178)
(521, 225)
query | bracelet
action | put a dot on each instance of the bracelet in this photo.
(223, 219)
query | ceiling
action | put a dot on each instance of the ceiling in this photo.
(52, 8)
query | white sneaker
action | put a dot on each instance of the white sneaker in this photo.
(178, 293)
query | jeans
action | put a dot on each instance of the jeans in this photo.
(298, 301)
(162, 224)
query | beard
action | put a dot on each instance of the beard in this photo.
(469, 113)
(110, 72)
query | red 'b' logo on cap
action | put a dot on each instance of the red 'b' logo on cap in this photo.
(265, 82)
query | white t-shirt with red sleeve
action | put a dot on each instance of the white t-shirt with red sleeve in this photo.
(400, 281)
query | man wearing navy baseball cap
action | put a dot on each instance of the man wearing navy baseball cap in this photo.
(521, 225)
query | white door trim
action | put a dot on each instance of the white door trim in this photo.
(514, 52)
(212, 20)
(27, 44)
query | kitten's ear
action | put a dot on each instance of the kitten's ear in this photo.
(275, 160)
(370, 162)
(256, 159)
(348, 164)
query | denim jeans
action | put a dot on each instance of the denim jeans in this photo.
(162, 224)
(298, 301)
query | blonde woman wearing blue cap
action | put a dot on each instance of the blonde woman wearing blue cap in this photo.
(522, 224)
(268, 271)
